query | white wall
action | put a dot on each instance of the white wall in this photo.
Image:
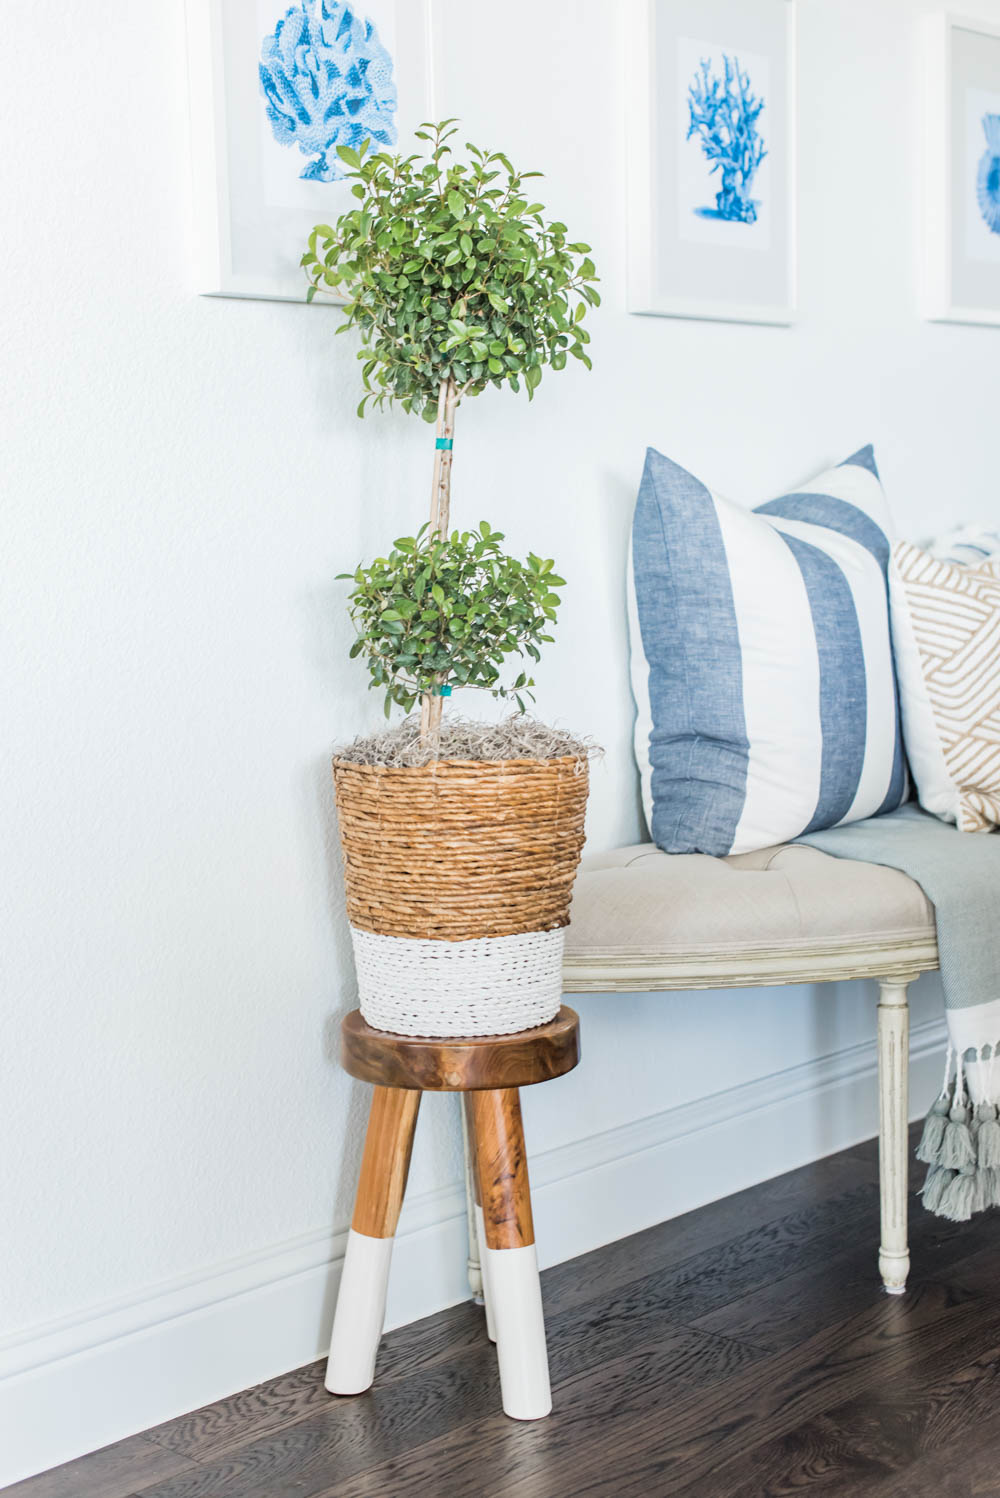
(182, 480)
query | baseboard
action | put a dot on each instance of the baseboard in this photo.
(130, 1364)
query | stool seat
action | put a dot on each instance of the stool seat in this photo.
(489, 1069)
(471, 1064)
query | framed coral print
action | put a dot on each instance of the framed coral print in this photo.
(276, 87)
(711, 159)
(961, 271)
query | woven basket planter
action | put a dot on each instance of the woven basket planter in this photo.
(459, 876)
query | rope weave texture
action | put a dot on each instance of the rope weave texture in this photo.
(460, 849)
(493, 985)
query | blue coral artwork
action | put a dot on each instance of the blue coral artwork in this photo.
(327, 80)
(988, 174)
(724, 119)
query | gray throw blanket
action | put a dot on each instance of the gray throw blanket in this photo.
(959, 873)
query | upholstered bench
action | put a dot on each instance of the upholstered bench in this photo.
(643, 920)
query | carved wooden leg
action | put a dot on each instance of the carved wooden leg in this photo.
(893, 1085)
(478, 1267)
(357, 1324)
(509, 1255)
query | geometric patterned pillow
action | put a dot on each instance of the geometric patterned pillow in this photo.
(946, 636)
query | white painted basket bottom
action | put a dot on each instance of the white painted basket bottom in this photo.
(493, 985)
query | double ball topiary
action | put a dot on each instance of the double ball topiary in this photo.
(456, 282)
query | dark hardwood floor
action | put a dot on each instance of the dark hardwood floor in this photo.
(742, 1351)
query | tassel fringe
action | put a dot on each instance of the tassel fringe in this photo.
(961, 1146)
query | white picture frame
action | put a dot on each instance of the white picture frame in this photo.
(253, 210)
(686, 258)
(960, 280)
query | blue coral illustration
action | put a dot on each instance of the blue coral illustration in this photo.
(724, 114)
(327, 81)
(988, 174)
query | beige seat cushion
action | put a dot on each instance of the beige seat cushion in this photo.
(801, 911)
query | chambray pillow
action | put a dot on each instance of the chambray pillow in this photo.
(761, 659)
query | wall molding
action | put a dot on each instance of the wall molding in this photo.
(130, 1363)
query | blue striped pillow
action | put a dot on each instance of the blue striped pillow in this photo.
(761, 659)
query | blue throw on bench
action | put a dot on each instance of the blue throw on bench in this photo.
(959, 873)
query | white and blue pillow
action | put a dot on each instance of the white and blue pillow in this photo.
(761, 659)
(966, 546)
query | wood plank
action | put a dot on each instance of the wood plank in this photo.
(692, 1289)
(888, 1433)
(119, 1471)
(348, 1435)
(254, 1413)
(604, 1270)
(683, 1447)
(351, 1435)
(959, 1472)
(217, 1428)
(785, 1312)
(608, 1396)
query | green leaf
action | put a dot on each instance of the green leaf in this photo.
(449, 269)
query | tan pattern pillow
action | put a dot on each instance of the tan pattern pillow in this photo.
(946, 637)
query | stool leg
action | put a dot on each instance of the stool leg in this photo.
(360, 1314)
(479, 1230)
(509, 1254)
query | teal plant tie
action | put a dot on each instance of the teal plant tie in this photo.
(445, 444)
(442, 691)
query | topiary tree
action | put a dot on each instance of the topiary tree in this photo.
(455, 281)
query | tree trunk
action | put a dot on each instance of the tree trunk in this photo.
(431, 702)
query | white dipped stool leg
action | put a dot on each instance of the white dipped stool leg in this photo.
(508, 1255)
(360, 1314)
(893, 1147)
(522, 1355)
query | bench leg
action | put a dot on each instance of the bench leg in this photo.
(893, 1153)
(509, 1260)
(360, 1314)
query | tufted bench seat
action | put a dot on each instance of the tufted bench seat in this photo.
(643, 920)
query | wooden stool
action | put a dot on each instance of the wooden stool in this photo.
(490, 1069)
